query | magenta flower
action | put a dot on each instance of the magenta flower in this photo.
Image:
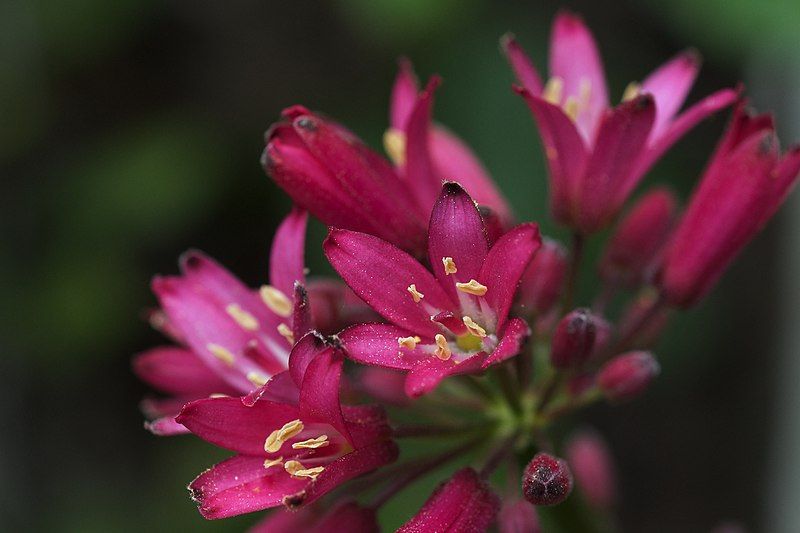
(464, 503)
(232, 339)
(294, 442)
(745, 182)
(452, 321)
(518, 516)
(596, 153)
(343, 517)
(593, 468)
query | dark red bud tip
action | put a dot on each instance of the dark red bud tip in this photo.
(547, 480)
(627, 375)
(295, 111)
(573, 339)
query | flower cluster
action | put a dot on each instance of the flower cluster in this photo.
(451, 321)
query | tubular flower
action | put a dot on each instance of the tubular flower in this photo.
(232, 339)
(596, 153)
(453, 320)
(294, 443)
(744, 184)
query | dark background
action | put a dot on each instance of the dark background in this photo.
(131, 131)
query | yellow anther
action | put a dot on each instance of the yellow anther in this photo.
(415, 294)
(279, 436)
(296, 469)
(553, 89)
(631, 91)
(394, 142)
(278, 302)
(408, 342)
(256, 378)
(584, 92)
(242, 317)
(571, 107)
(442, 348)
(286, 331)
(312, 444)
(472, 287)
(269, 463)
(473, 327)
(449, 265)
(221, 353)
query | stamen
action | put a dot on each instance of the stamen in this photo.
(572, 108)
(472, 287)
(631, 91)
(449, 265)
(296, 469)
(584, 92)
(268, 463)
(473, 327)
(408, 342)
(442, 348)
(553, 89)
(415, 294)
(278, 302)
(312, 444)
(242, 317)
(256, 378)
(279, 436)
(394, 142)
(221, 353)
(284, 330)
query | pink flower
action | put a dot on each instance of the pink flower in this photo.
(593, 468)
(598, 154)
(745, 182)
(464, 503)
(627, 375)
(453, 320)
(543, 281)
(294, 441)
(428, 154)
(232, 339)
(343, 517)
(518, 516)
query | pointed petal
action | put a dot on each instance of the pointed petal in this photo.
(319, 393)
(178, 371)
(380, 274)
(504, 266)
(404, 95)
(303, 353)
(241, 485)
(670, 84)
(523, 68)
(511, 343)
(376, 344)
(286, 260)
(607, 182)
(302, 321)
(421, 175)
(428, 373)
(574, 58)
(565, 152)
(165, 427)
(464, 503)
(279, 389)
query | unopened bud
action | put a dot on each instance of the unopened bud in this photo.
(573, 339)
(546, 480)
(593, 468)
(627, 375)
(543, 280)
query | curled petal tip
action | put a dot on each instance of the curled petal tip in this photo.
(295, 111)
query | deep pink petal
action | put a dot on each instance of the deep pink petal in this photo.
(456, 230)
(286, 260)
(303, 352)
(504, 266)
(376, 344)
(348, 517)
(178, 371)
(404, 95)
(367, 424)
(165, 427)
(319, 393)
(302, 319)
(428, 373)
(607, 182)
(280, 388)
(464, 503)
(241, 485)
(564, 150)
(523, 68)
(543, 281)
(511, 343)
(518, 516)
(670, 84)
(574, 58)
(381, 273)
(288, 521)
(165, 407)
(421, 175)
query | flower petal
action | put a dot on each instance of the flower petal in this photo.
(428, 373)
(464, 503)
(286, 260)
(303, 353)
(421, 175)
(178, 371)
(241, 485)
(504, 266)
(514, 337)
(319, 393)
(280, 388)
(165, 427)
(380, 274)
(404, 95)
(670, 84)
(376, 344)
(574, 58)
(523, 68)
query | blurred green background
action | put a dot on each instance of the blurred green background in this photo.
(131, 131)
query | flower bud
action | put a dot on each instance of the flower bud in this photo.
(543, 280)
(573, 339)
(593, 469)
(627, 375)
(546, 480)
(634, 249)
